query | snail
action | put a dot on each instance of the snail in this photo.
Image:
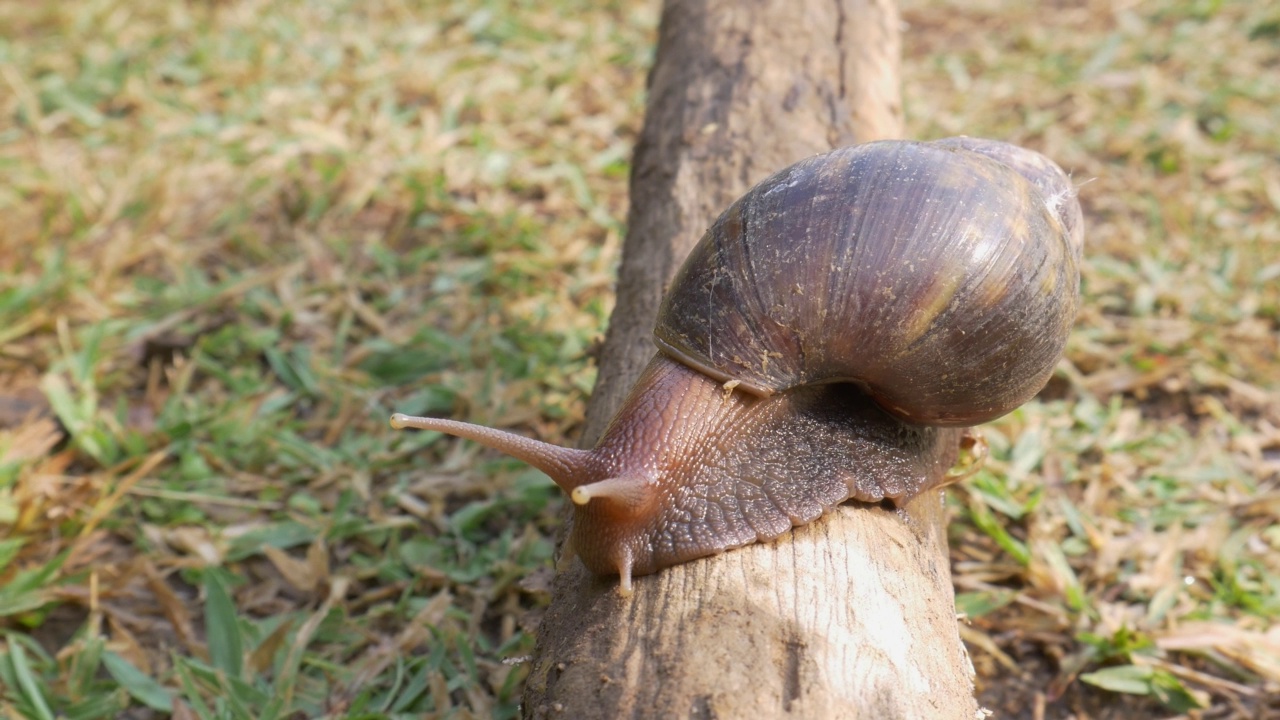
(938, 279)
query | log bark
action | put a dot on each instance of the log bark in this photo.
(850, 616)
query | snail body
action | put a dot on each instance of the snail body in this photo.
(823, 342)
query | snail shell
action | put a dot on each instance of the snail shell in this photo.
(822, 342)
(939, 279)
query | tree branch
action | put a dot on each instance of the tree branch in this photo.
(852, 615)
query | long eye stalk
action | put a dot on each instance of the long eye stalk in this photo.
(568, 467)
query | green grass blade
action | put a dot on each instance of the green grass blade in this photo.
(226, 646)
(28, 685)
(27, 589)
(986, 521)
(143, 688)
(101, 706)
(9, 548)
(1131, 679)
(191, 690)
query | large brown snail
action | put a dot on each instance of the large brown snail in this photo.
(939, 279)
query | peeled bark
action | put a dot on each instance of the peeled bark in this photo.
(852, 615)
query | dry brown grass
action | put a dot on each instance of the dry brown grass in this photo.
(235, 235)
(1141, 507)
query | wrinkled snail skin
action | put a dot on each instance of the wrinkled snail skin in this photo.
(705, 470)
(827, 339)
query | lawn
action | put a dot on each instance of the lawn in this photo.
(236, 235)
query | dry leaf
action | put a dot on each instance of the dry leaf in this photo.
(297, 573)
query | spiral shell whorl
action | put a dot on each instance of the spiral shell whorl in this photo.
(1059, 193)
(938, 278)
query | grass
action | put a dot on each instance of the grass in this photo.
(1126, 533)
(237, 235)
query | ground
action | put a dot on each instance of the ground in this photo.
(238, 234)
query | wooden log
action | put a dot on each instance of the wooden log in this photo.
(850, 616)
